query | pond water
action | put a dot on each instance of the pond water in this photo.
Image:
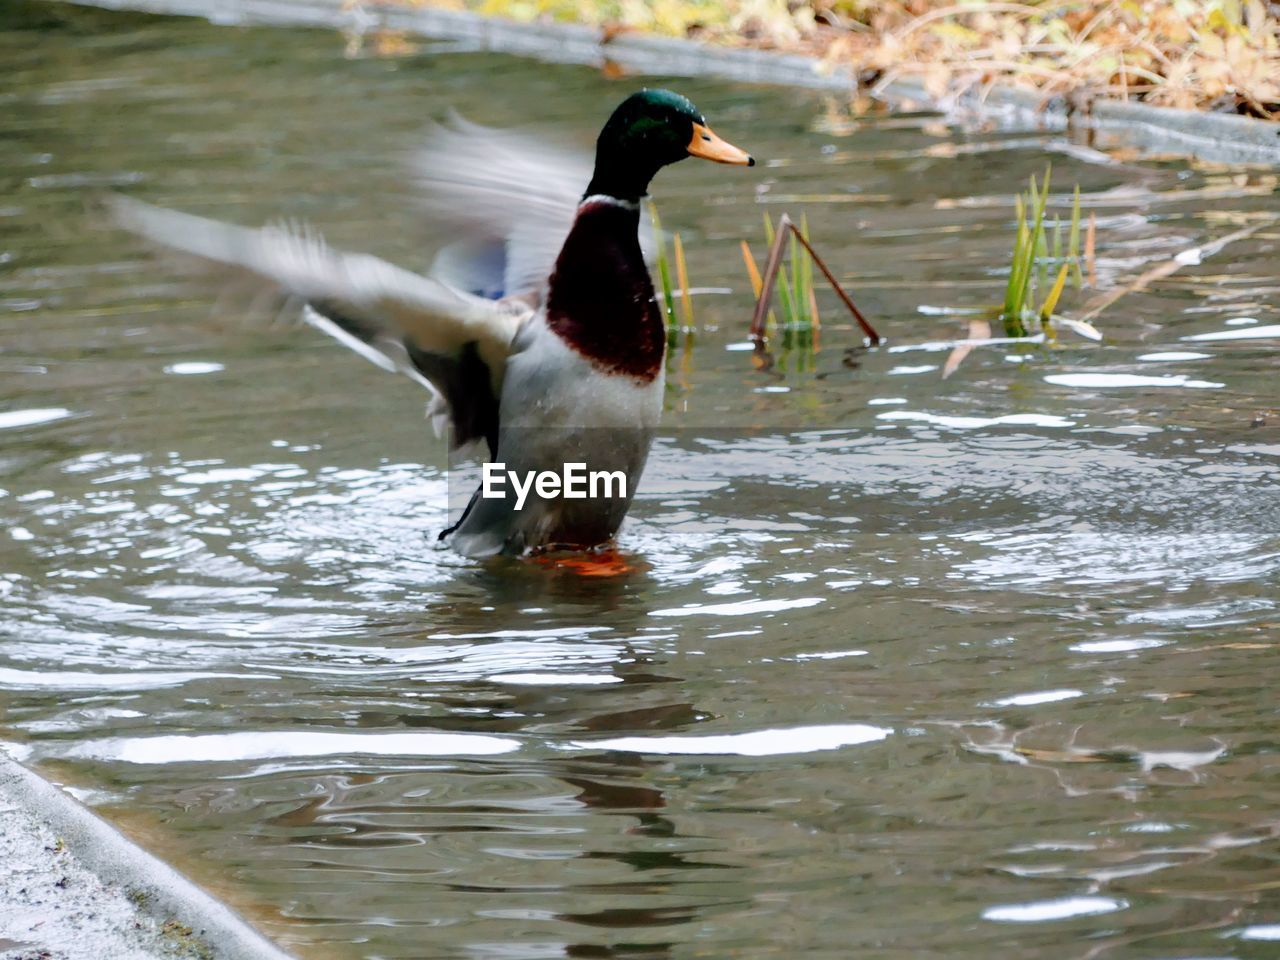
(903, 666)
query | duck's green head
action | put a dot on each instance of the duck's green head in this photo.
(649, 130)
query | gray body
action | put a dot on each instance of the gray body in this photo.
(557, 408)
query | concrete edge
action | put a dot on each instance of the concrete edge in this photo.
(1211, 136)
(153, 886)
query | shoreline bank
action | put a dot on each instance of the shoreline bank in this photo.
(1214, 137)
(75, 887)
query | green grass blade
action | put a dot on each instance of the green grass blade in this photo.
(682, 276)
(794, 255)
(664, 268)
(1041, 261)
(1051, 301)
(786, 295)
(1073, 239)
(1037, 233)
(1011, 285)
(804, 292)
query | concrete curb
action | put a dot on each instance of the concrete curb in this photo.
(95, 884)
(1210, 136)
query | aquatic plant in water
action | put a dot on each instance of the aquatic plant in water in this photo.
(1038, 252)
(794, 281)
(668, 290)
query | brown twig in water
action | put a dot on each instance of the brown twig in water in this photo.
(869, 330)
(772, 263)
(1165, 268)
(772, 266)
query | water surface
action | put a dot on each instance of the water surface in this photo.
(904, 666)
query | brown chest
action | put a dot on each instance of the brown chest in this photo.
(600, 300)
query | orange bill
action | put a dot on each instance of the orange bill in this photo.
(707, 145)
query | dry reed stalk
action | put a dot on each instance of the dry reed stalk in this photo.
(787, 230)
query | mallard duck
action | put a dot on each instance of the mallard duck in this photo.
(537, 329)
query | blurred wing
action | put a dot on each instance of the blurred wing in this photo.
(452, 341)
(509, 198)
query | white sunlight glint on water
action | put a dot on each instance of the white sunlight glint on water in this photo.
(1114, 380)
(969, 423)
(1039, 697)
(1116, 646)
(193, 368)
(1041, 911)
(1270, 931)
(759, 743)
(29, 418)
(745, 608)
(1246, 333)
(278, 744)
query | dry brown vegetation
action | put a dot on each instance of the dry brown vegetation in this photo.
(1195, 54)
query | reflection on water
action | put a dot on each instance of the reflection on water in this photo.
(892, 664)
